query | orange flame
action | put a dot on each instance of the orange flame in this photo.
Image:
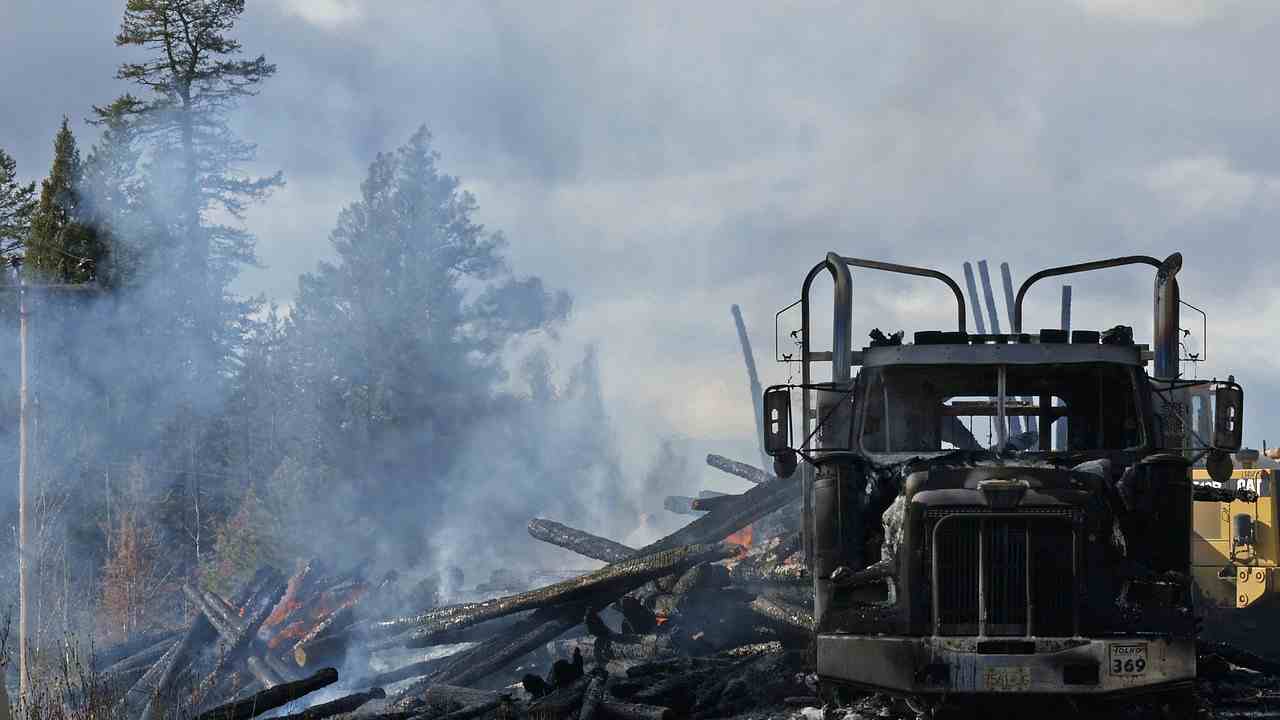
(743, 537)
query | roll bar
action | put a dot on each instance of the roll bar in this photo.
(1165, 298)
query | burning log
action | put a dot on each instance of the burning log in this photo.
(341, 706)
(583, 543)
(612, 580)
(271, 698)
(747, 472)
(315, 640)
(783, 615)
(246, 632)
(730, 517)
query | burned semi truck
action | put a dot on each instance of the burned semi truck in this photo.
(957, 547)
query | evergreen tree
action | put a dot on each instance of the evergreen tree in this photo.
(114, 196)
(193, 78)
(17, 202)
(61, 246)
(398, 344)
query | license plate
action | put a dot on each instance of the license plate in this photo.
(1128, 660)
(1006, 679)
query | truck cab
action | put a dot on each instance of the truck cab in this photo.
(999, 514)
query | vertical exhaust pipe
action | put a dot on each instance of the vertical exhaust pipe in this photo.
(1166, 330)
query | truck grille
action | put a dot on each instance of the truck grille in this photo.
(1003, 575)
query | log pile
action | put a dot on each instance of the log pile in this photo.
(659, 630)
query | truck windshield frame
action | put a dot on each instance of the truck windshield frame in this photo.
(923, 409)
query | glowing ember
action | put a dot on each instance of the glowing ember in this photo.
(742, 537)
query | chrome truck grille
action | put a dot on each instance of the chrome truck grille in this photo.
(1003, 574)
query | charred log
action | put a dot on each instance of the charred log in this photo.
(341, 706)
(731, 517)
(560, 703)
(583, 543)
(636, 618)
(607, 584)
(199, 633)
(497, 653)
(747, 472)
(313, 641)
(594, 695)
(271, 698)
(708, 504)
(783, 615)
(267, 676)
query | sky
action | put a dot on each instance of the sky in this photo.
(663, 161)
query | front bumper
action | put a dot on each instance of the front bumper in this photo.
(938, 665)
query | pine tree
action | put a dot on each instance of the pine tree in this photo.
(192, 79)
(17, 202)
(114, 196)
(62, 247)
(397, 344)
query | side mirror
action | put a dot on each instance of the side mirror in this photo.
(777, 420)
(1228, 416)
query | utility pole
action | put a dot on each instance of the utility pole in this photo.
(24, 321)
(24, 679)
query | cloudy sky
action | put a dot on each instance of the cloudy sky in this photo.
(663, 161)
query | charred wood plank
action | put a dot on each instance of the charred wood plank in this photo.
(419, 669)
(139, 694)
(680, 505)
(271, 698)
(144, 658)
(743, 470)
(560, 703)
(612, 710)
(636, 618)
(708, 504)
(491, 656)
(593, 696)
(605, 585)
(579, 541)
(114, 657)
(341, 706)
(199, 633)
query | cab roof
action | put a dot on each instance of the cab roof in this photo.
(1001, 354)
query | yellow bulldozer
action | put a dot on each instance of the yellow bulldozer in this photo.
(1235, 547)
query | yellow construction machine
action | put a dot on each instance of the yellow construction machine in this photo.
(1235, 546)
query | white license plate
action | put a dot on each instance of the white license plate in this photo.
(1128, 660)
(1006, 679)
